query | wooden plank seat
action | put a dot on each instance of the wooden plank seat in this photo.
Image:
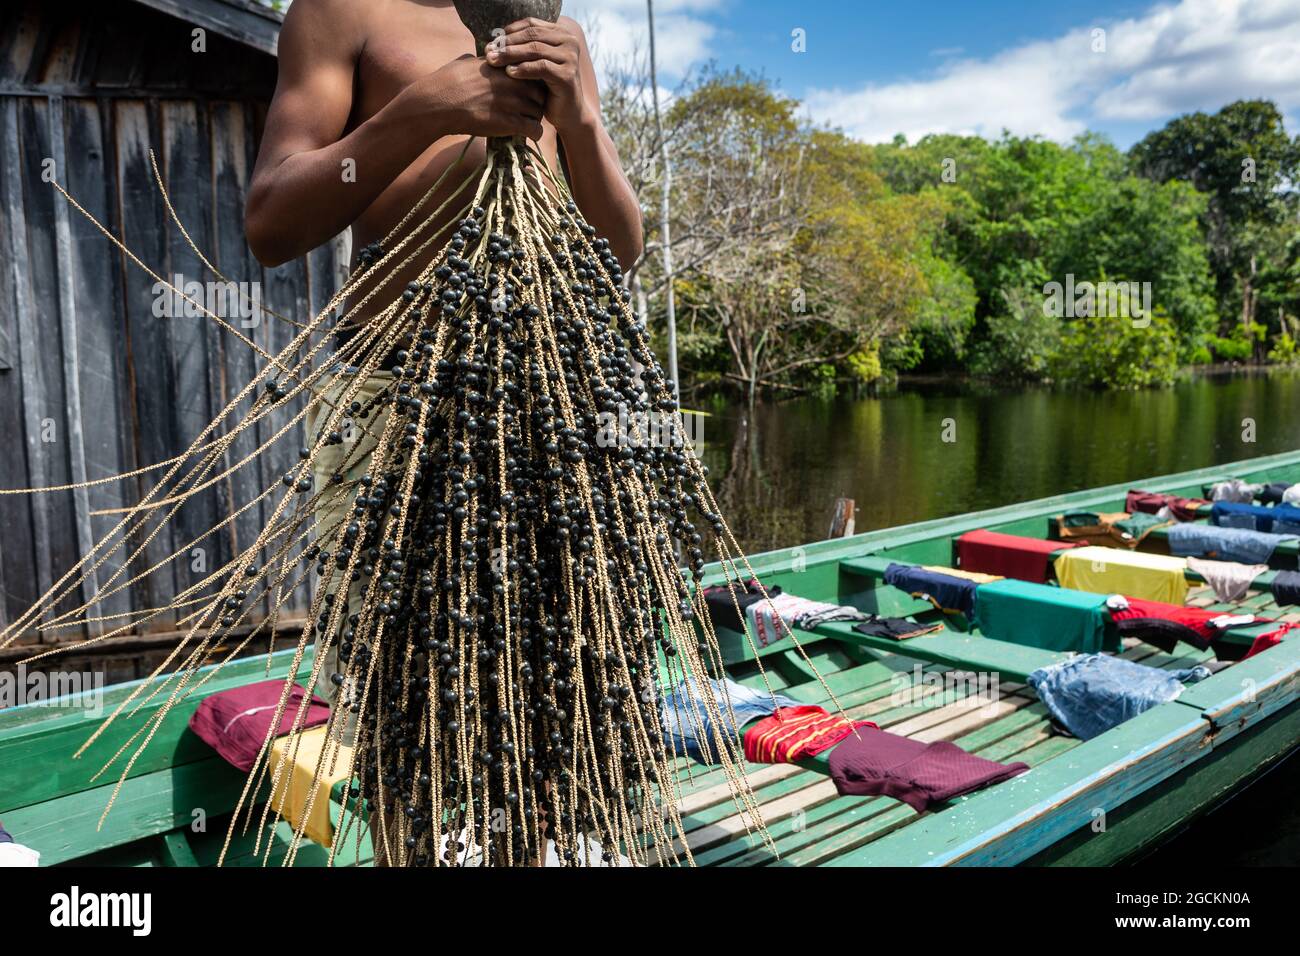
(874, 567)
(1285, 550)
(177, 786)
(1028, 814)
(811, 824)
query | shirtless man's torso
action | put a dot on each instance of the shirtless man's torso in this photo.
(375, 99)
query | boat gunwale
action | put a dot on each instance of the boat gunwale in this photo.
(1210, 723)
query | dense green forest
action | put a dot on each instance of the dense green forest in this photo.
(807, 261)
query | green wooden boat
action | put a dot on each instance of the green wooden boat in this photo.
(1096, 802)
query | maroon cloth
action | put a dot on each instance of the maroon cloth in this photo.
(1149, 502)
(1010, 555)
(878, 763)
(235, 722)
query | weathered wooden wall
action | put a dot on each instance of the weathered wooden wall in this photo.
(92, 383)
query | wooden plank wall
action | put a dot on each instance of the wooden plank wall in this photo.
(92, 382)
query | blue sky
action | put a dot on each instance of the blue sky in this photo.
(977, 66)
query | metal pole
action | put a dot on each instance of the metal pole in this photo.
(665, 227)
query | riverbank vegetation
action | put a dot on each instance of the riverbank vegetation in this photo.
(808, 261)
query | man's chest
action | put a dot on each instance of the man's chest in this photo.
(404, 48)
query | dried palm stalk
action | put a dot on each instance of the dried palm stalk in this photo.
(498, 580)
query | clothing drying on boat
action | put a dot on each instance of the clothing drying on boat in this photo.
(1092, 693)
(1151, 502)
(877, 763)
(1092, 527)
(795, 732)
(1052, 618)
(1234, 489)
(235, 722)
(979, 577)
(1007, 555)
(1277, 519)
(1224, 544)
(1153, 577)
(946, 591)
(14, 854)
(1271, 493)
(772, 619)
(1264, 641)
(1229, 579)
(1286, 587)
(1164, 625)
(895, 628)
(295, 758)
(1137, 526)
(1292, 495)
(688, 726)
(1118, 529)
(727, 602)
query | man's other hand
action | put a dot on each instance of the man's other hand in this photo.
(551, 53)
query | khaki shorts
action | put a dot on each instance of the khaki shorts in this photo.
(336, 503)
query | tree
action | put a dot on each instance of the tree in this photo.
(1242, 159)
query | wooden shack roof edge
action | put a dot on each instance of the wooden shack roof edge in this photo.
(244, 21)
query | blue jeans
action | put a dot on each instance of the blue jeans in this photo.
(681, 710)
(1228, 544)
(1091, 693)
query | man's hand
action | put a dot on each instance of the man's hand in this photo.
(470, 97)
(551, 53)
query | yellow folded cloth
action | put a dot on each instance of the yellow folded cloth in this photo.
(1151, 577)
(977, 576)
(294, 787)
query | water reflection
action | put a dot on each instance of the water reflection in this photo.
(935, 451)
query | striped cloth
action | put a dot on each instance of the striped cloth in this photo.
(794, 732)
(772, 618)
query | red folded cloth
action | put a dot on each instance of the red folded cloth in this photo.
(794, 732)
(1193, 619)
(1010, 555)
(235, 722)
(877, 763)
(1149, 502)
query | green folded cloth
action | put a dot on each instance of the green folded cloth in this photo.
(1139, 524)
(1080, 519)
(1039, 615)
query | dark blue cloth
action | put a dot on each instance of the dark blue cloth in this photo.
(1286, 587)
(1193, 539)
(4, 836)
(1279, 519)
(1091, 693)
(1272, 492)
(948, 592)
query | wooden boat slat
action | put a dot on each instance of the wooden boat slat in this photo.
(1219, 725)
(59, 730)
(1011, 822)
(1248, 692)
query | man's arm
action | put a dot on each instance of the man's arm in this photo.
(298, 198)
(557, 55)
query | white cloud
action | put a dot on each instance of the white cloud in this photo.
(617, 29)
(1194, 54)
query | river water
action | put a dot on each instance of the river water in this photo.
(928, 452)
